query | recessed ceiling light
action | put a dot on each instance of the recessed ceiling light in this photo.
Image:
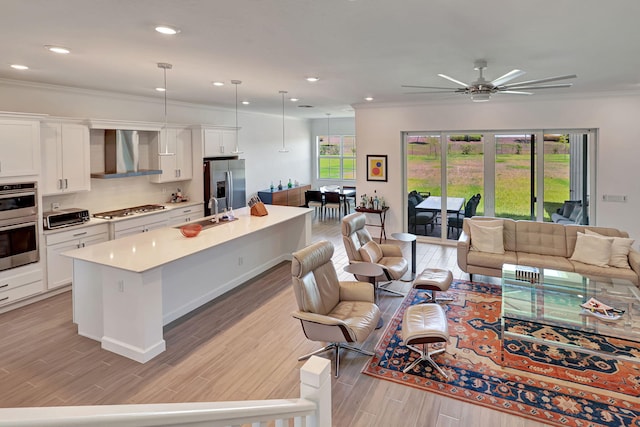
(57, 49)
(160, 89)
(245, 103)
(218, 83)
(19, 67)
(165, 29)
(313, 79)
(368, 98)
(294, 99)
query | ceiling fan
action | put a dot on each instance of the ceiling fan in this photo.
(481, 90)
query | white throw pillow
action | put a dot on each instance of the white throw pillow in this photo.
(592, 250)
(370, 252)
(487, 236)
(619, 249)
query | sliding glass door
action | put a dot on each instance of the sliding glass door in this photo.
(515, 174)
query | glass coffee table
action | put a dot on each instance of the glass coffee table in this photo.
(533, 299)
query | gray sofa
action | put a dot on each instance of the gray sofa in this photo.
(540, 244)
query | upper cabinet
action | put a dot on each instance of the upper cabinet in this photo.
(19, 143)
(216, 141)
(178, 164)
(65, 158)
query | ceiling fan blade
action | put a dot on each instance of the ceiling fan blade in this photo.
(508, 77)
(451, 79)
(547, 80)
(430, 87)
(530, 87)
(433, 91)
(515, 92)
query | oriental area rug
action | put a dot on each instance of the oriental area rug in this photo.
(551, 385)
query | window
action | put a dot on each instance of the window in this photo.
(337, 157)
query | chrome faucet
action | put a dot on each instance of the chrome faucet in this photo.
(213, 204)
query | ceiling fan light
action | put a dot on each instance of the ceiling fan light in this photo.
(480, 97)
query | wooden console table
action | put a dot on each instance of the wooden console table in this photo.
(383, 215)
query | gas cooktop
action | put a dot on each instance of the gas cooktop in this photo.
(119, 213)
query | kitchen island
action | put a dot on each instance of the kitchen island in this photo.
(126, 290)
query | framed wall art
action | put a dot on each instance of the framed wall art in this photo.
(376, 167)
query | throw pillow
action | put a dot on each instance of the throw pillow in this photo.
(619, 249)
(487, 236)
(370, 252)
(592, 250)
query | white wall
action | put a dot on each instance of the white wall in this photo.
(617, 119)
(260, 138)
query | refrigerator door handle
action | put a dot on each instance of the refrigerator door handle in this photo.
(229, 189)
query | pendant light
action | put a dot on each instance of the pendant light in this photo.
(165, 66)
(328, 131)
(237, 149)
(283, 149)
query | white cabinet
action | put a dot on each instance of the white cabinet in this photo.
(65, 158)
(140, 224)
(177, 166)
(217, 142)
(188, 213)
(60, 268)
(19, 147)
(16, 286)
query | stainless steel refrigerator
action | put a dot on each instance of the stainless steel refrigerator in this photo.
(225, 180)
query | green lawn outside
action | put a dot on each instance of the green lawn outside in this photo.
(466, 177)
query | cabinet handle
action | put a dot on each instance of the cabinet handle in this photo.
(186, 211)
(4, 299)
(4, 286)
(60, 184)
(66, 183)
(80, 234)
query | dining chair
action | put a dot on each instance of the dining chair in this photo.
(333, 201)
(313, 199)
(416, 218)
(349, 199)
(454, 221)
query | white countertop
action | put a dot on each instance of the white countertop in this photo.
(155, 248)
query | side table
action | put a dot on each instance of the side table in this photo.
(383, 215)
(371, 271)
(408, 237)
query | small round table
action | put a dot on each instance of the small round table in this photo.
(371, 271)
(408, 237)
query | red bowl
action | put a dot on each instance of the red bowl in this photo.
(191, 230)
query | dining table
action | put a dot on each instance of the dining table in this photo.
(434, 204)
(345, 193)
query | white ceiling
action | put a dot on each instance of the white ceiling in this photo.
(358, 48)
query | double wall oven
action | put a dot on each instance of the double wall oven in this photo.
(18, 225)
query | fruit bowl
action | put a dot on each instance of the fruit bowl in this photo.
(191, 230)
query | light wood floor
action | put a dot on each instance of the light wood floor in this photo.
(242, 346)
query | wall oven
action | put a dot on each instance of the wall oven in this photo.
(18, 225)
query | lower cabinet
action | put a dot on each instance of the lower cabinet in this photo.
(60, 268)
(137, 225)
(181, 215)
(14, 287)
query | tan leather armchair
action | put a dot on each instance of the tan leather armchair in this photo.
(330, 310)
(361, 247)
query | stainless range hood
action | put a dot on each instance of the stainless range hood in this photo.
(121, 155)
